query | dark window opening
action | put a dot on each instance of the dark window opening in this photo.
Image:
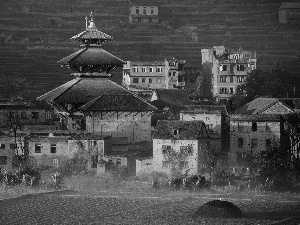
(38, 148)
(53, 149)
(254, 126)
(94, 161)
(135, 80)
(3, 160)
(35, 115)
(240, 142)
(2, 146)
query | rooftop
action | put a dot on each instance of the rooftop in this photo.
(172, 96)
(259, 105)
(205, 109)
(256, 117)
(290, 5)
(179, 130)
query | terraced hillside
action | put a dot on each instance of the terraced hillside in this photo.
(35, 34)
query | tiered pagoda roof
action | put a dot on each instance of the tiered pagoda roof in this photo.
(92, 90)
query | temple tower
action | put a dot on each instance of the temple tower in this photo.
(93, 103)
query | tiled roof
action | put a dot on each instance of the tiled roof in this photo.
(120, 102)
(187, 130)
(290, 5)
(173, 96)
(92, 34)
(259, 105)
(256, 106)
(92, 55)
(100, 94)
(256, 117)
(206, 109)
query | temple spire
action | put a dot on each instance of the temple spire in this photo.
(92, 24)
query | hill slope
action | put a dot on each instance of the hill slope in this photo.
(35, 34)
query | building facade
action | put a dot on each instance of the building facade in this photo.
(251, 134)
(167, 74)
(143, 14)
(178, 146)
(225, 69)
(289, 12)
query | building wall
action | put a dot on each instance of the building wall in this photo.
(143, 14)
(252, 141)
(65, 149)
(213, 121)
(144, 166)
(228, 69)
(134, 125)
(193, 162)
(154, 75)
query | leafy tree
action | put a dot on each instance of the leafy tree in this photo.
(259, 83)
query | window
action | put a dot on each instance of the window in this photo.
(3, 160)
(48, 115)
(175, 131)
(166, 164)
(240, 67)
(55, 162)
(143, 80)
(23, 115)
(222, 78)
(231, 90)
(240, 127)
(12, 146)
(235, 56)
(135, 69)
(240, 142)
(240, 79)
(143, 69)
(2, 146)
(152, 11)
(159, 69)
(151, 69)
(150, 80)
(254, 126)
(186, 149)
(253, 143)
(92, 143)
(223, 67)
(53, 148)
(183, 164)
(94, 161)
(144, 10)
(223, 90)
(252, 66)
(135, 80)
(35, 115)
(174, 74)
(137, 10)
(268, 128)
(166, 149)
(231, 79)
(268, 143)
(37, 148)
(118, 161)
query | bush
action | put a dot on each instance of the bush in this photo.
(28, 176)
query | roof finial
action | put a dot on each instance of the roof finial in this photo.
(92, 24)
(86, 22)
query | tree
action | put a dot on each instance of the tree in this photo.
(259, 83)
(15, 122)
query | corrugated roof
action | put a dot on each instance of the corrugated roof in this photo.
(256, 117)
(92, 55)
(121, 102)
(187, 130)
(173, 96)
(290, 5)
(213, 109)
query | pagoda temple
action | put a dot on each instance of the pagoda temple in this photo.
(93, 103)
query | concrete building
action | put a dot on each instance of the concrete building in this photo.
(289, 12)
(225, 69)
(188, 138)
(167, 74)
(143, 14)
